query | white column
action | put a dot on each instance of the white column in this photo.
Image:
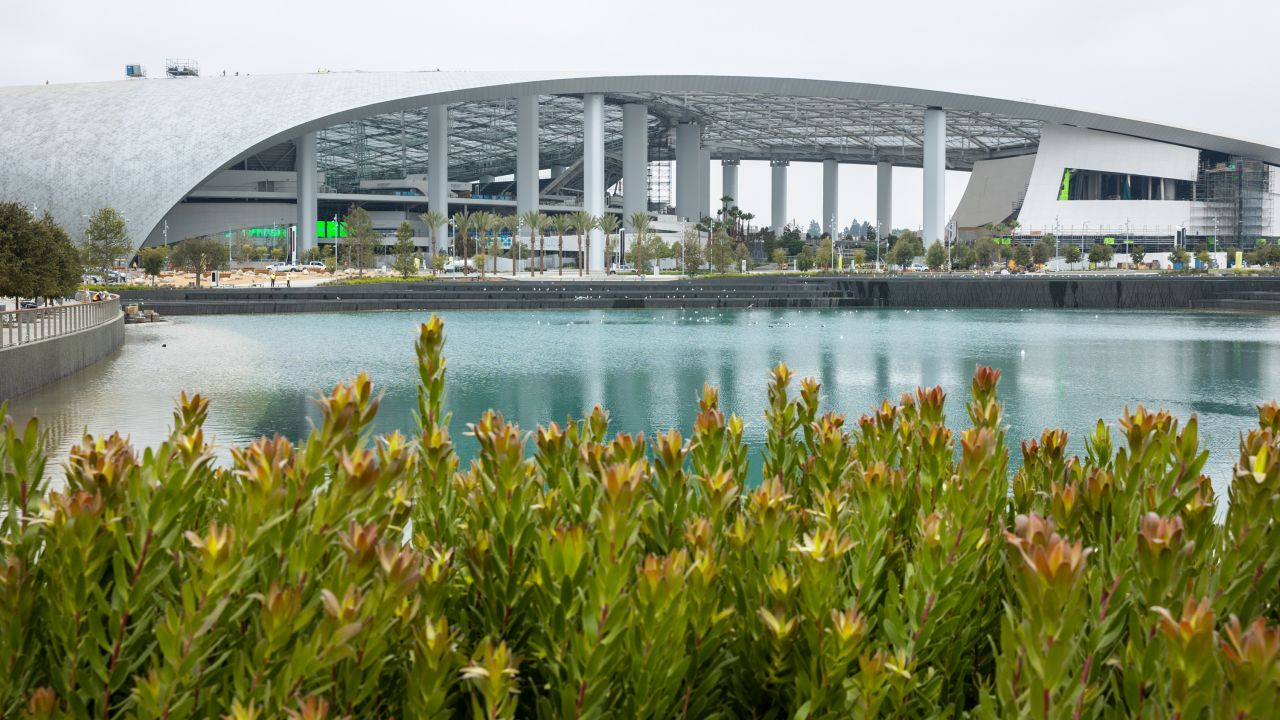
(830, 195)
(704, 183)
(438, 167)
(729, 182)
(526, 156)
(305, 164)
(935, 174)
(884, 199)
(593, 171)
(635, 161)
(688, 139)
(779, 219)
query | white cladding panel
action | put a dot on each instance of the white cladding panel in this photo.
(994, 188)
(1064, 147)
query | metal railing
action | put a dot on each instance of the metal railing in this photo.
(23, 327)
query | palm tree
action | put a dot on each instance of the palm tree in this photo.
(585, 222)
(433, 220)
(497, 223)
(563, 222)
(484, 223)
(544, 225)
(532, 220)
(464, 222)
(608, 224)
(640, 226)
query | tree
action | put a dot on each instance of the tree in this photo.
(1137, 254)
(501, 222)
(153, 260)
(1072, 254)
(804, 259)
(936, 256)
(720, 252)
(639, 222)
(484, 223)
(859, 257)
(903, 252)
(37, 257)
(694, 255)
(1179, 257)
(1022, 256)
(608, 224)
(741, 256)
(434, 221)
(1100, 253)
(961, 257)
(105, 239)
(984, 252)
(536, 224)
(1204, 258)
(824, 259)
(564, 221)
(585, 222)
(1042, 251)
(199, 255)
(404, 250)
(463, 223)
(361, 238)
(779, 257)
(814, 230)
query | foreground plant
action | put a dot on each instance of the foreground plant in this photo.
(885, 567)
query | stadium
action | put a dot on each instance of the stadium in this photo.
(283, 157)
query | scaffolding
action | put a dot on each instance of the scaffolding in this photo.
(1234, 200)
(181, 67)
(659, 177)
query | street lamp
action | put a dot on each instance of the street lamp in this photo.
(337, 240)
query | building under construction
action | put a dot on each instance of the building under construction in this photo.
(1235, 199)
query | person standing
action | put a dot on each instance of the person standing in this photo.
(273, 278)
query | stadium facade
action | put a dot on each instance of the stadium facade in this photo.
(258, 154)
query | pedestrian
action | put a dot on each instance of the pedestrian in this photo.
(288, 281)
(273, 278)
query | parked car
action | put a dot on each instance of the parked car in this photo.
(918, 267)
(316, 264)
(285, 267)
(117, 277)
(459, 265)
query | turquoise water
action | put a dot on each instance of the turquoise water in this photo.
(1060, 368)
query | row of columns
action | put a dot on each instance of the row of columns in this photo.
(693, 173)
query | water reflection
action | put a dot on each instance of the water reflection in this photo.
(1060, 368)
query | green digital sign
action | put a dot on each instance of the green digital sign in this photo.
(330, 229)
(267, 232)
(325, 229)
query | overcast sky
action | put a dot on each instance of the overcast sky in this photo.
(1209, 65)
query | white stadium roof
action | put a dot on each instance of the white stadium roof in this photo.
(141, 146)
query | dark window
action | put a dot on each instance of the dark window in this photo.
(1098, 185)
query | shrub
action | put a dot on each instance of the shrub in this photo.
(874, 571)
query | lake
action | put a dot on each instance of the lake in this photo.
(1060, 368)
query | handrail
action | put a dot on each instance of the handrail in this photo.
(23, 327)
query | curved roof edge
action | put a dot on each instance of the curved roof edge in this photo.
(141, 146)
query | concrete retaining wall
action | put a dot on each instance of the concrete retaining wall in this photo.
(1154, 292)
(24, 368)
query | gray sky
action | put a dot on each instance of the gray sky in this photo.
(1205, 65)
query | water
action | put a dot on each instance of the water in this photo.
(1060, 368)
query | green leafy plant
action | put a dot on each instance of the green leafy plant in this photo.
(886, 566)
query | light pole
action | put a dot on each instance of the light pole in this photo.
(337, 239)
(831, 223)
(1057, 231)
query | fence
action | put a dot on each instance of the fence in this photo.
(23, 327)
